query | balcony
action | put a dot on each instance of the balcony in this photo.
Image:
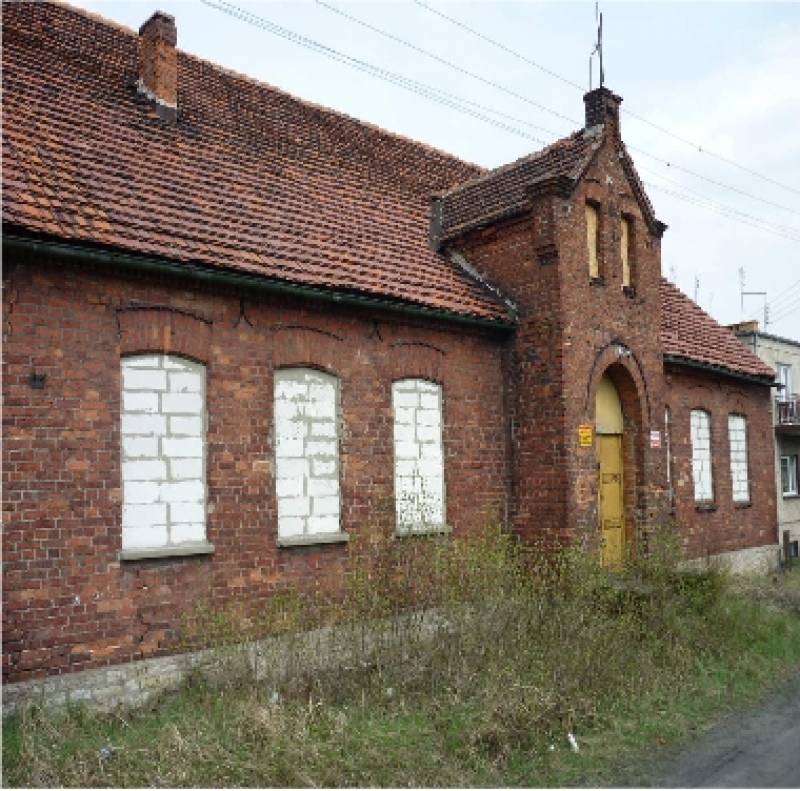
(787, 415)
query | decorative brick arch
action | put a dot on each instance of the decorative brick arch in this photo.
(302, 346)
(164, 329)
(609, 360)
(416, 360)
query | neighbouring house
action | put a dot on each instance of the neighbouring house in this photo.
(241, 329)
(783, 355)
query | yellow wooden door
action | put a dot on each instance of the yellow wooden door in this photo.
(612, 520)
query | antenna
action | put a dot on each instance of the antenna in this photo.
(696, 287)
(757, 294)
(598, 47)
(741, 288)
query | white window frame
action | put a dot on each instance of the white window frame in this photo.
(163, 455)
(740, 466)
(791, 462)
(419, 481)
(702, 456)
(307, 455)
(784, 378)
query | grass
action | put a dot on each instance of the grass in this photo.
(526, 651)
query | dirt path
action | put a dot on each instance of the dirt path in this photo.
(757, 748)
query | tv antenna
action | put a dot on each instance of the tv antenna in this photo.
(598, 47)
(743, 294)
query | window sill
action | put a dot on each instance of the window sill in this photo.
(703, 507)
(629, 291)
(438, 530)
(313, 539)
(746, 504)
(791, 496)
(177, 551)
(597, 281)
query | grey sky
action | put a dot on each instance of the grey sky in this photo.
(721, 74)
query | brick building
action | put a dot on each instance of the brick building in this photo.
(240, 329)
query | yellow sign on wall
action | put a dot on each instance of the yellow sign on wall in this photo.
(585, 435)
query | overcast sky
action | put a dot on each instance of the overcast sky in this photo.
(723, 75)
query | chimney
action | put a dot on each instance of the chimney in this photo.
(158, 64)
(602, 107)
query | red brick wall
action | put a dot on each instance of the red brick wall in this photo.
(614, 330)
(68, 602)
(509, 256)
(729, 526)
(570, 328)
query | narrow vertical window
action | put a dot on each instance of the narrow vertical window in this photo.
(702, 472)
(592, 239)
(163, 452)
(418, 457)
(737, 439)
(307, 452)
(626, 237)
(789, 475)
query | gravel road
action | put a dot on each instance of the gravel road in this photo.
(755, 748)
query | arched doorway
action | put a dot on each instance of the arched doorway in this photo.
(609, 429)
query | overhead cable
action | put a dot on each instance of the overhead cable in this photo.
(658, 127)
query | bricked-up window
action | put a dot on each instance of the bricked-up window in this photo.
(626, 241)
(593, 239)
(307, 452)
(163, 452)
(701, 456)
(418, 456)
(737, 439)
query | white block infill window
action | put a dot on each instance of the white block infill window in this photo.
(307, 456)
(418, 456)
(737, 439)
(163, 455)
(702, 472)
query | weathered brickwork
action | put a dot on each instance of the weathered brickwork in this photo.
(724, 524)
(213, 437)
(69, 602)
(573, 329)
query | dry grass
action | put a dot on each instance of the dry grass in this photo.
(522, 651)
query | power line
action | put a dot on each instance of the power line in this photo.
(716, 183)
(793, 231)
(521, 97)
(434, 94)
(702, 150)
(696, 146)
(734, 215)
(497, 44)
(791, 297)
(787, 310)
(448, 63)
(783, 296)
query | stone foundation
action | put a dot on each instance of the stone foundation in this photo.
(754, 560)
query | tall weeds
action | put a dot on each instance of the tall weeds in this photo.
(540, 642)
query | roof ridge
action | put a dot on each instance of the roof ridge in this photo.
(524, 159)
(263, 84)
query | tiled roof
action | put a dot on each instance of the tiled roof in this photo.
(689, 333)
(249, 179)
(255, 180)
(503, 192)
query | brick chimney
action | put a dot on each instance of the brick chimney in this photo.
(602, 107)
(158, 64)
